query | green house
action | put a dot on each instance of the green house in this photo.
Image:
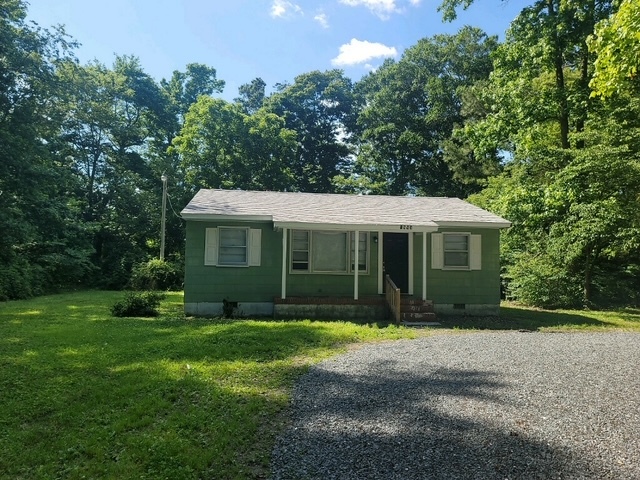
(339, 256)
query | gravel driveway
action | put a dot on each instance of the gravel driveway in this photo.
(474, 406)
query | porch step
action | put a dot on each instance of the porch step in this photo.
(422, 324)
(404, 300)
(412, 317)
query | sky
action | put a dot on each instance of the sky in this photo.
(275, 40)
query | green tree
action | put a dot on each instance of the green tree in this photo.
(412, 106)
(252, 95)
(222, 147)
(43, 245)
(616, 43)
(319, 107)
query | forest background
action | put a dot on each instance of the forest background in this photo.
(542, 129)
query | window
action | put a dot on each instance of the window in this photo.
(328, 251)
(232, 246)
(456, 250)
(300, 250)
(362, 251)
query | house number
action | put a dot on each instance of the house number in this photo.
(406, 227)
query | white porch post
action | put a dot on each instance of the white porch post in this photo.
(283, 293)
(356, 263)
(411, 236)
(424, 266)
(380, 262)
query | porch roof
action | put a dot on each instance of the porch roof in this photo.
(339, 211)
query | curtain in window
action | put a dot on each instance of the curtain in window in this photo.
(330, 251)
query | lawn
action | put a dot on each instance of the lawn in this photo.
(87, 395)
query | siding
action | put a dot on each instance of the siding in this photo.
(263, 283)
(461, 286)
(238, 284)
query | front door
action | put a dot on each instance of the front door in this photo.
(395, 259)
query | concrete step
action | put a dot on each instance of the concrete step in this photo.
(411, 317)
(414, 301)
(422, 324)
(416, 308)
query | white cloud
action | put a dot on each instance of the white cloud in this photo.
(361, 51)
(322, 19)
(382, 8)
(283, 8)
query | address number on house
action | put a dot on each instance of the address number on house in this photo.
(406, 227)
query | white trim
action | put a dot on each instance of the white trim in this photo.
(210, 217)
(349, 227)
(424, 266)
(380, 262)
(283, 289)
(410, 246)
(356, 262)
(474, 224)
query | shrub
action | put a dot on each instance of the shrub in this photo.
(138, 304)
(536, 281)
(157, 274)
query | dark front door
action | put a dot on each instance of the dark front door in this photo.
(395, 258)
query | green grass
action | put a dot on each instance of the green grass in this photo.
(517, 317)
(87, 395)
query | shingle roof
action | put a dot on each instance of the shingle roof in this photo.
(289, 208)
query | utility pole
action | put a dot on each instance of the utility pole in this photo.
(164, 213)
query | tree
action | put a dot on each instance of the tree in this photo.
(106, 132)
(220, 146)
(252, 95)
(616, 44)
(43, 245)
(571, 182)
(411, 109)
(319, 107)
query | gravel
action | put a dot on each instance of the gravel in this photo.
(475, 406)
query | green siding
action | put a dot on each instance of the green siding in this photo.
(461, 286)
(204, 283)
(263, 283)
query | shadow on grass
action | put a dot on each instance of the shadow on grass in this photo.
(514, 318)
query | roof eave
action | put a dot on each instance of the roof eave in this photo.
(372, 227)
(496, 224)
(208, 217)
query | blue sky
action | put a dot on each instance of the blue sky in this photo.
(272, 39)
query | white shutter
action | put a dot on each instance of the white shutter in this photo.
(437, 251)
(475, 252)
(211, 246)
(255, 247)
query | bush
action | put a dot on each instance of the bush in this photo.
(138, 304)
(157, 274)
(536, 281)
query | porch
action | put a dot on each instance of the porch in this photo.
(409, 310)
